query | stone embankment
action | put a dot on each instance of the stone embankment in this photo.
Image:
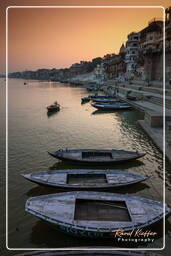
(150, 100)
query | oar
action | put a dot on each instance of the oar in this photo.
(117, 206)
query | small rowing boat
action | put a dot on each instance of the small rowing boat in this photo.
(53, 107)
(96, 156)
(96, 214)
(106, 100)
(85, 99)
(81, 179)
(111, 106)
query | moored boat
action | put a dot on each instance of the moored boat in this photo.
(96, 214)
(106, 100)
(85, 99)
(53, 107)
(98, 96)
(81, 179)
(96, 156)
(93, 89)
(111, 106)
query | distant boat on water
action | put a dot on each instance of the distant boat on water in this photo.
(96, 156)
(53, 107)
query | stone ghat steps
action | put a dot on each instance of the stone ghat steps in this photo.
(155, 84)
(147, 96)
(147, 89)
(159, 101)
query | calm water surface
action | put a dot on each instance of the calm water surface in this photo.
(32, 133)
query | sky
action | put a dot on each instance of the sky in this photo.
(58, 37)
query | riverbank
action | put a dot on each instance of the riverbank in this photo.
(150, 102)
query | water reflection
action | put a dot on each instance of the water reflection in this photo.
(41, 232)
(99, 112)
(43, 190)
(32, 134)
(51, 113)
(119, 166)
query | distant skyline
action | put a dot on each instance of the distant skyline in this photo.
(57, 38)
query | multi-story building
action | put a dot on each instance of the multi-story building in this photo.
(151, 50)
(132, 53)
(114, 64)
(100, 73)
(151, 37)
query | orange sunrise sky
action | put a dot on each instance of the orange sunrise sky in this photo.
(56, 38)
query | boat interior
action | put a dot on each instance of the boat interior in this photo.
(91, 154)
(101, 210)
(86, 179)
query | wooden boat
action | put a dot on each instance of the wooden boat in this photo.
(96, 156)
(92, 89)
(106, 100)
(111, 106)
(89, 179)
(88, 253)
(53, 107)
(96, 96)
(85, 99)
(96, 214)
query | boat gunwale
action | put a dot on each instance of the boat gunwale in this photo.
(104, 230)
(60, 155)
(139, 178)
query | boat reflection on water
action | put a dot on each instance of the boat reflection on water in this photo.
(42, 190)
(98, 112)
(69, 165)
(51, 113)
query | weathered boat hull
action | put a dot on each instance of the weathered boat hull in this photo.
(94, 97)
(85, 179)
(96, 214)
(53, 109)
(98, 156)
(106, 100)
(111, 106)
(85, 100)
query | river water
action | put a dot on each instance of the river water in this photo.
(32, 133)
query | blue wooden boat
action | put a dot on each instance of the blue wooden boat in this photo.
(111, 106)
(96, 214)
(96, 96)
(85, 179)
(96, 156)
(106, 100)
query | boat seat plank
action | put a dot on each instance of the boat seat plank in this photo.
(58, 178)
